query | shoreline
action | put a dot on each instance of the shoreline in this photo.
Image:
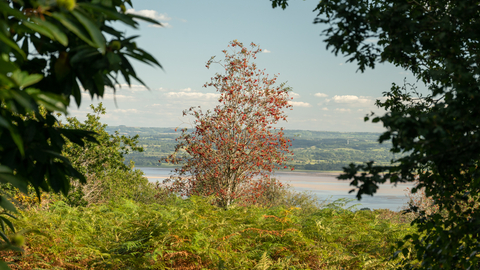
(331, 173)
(322, 184)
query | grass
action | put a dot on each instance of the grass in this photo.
(193, 234)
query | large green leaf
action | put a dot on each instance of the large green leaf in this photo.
(77, 136)
(110, 12)
(79, 31)
(5, 169)
(92, 29)
(98, 80)
(4, 123)
(7, 205)
(2, 235)
(6, 65)
(5, 82)
(50, 101)
(53, 29)
(83, 55)
(23, 99)
(14, 134)
(12, 44)
(15, 180)
(11, 11)
(24, 79)
(144, 19)
(40, 29)
(4, 266)
(8, 222)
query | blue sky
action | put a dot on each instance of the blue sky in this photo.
(329, 94)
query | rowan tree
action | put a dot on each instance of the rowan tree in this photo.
(233, 149)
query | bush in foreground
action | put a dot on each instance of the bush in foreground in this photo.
(194, 234)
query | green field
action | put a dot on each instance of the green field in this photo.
(314, 150)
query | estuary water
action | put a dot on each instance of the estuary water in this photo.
(324, 185)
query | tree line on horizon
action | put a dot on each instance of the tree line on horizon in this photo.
(313, 150)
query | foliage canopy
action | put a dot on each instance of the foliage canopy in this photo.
(49, 51)
(438, 41)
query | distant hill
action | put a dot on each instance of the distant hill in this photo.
(314, 150)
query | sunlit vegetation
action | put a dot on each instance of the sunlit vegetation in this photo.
(119, 220)
(173, 233)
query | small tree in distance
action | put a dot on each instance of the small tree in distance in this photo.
(233, 150)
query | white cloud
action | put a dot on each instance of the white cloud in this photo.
(342, 110)
(324, 109)
(293, 94)
(350, 99)
(299, 104)
(321, 95)
(126, 111)
(121, 97)
(266, 51)
(132, 87)
(152, 14)
(195, 95)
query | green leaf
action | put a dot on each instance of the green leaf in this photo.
(4, 123)
(77, 136)
(39, 29)
(4, 266)
(92, 29)
(56, 155)
(52, 102)
(23, 99)
(9, 223)
(6, 204)
(35, 231)
(23, 79)
(5, 65)
(17, 139)
(76, 92)
(2, 224)
(144, 57)
(83, 55)
(98, 79)
(5, 169)
(11, 11)
(144, 19)
(53, 29)
(31, 79)
(12, 44)
(73, 27)
(15, 180)
(110, 12)
(2, 234)
(113, 59)
(7, 83)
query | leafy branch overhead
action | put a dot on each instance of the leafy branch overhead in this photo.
(439, 133)
(49, 52)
